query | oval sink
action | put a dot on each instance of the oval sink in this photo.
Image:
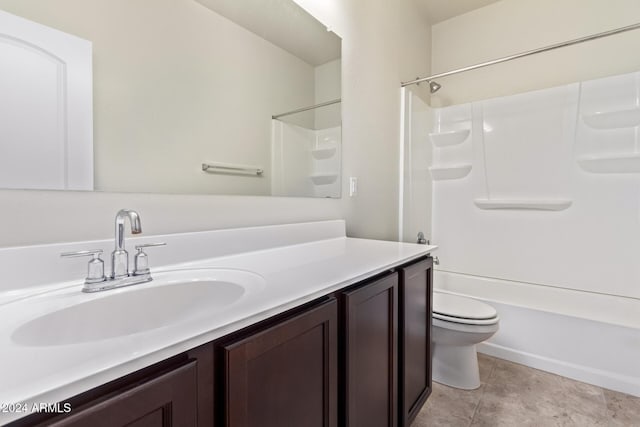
(170, 298)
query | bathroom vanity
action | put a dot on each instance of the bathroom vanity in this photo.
(338, 335)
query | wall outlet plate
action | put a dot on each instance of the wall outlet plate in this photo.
(353, 186)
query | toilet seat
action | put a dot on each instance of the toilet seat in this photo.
(465, 327)
(457, 309)
(452, 319)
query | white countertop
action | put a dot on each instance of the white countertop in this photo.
(293, 275)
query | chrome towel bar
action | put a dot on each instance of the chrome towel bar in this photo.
(232, 169)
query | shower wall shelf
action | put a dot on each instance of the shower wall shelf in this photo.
(621, 163)
(324, 179)
(522, 204)
(446, 139)
(613, 119)
(449, 172)
(323, 153)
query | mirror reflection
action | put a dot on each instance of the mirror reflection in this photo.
(188, 96)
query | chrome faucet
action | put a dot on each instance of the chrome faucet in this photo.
(119, 256)
(120, 275)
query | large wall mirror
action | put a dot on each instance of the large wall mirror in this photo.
(189, 96)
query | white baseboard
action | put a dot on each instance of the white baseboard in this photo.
(605, 379)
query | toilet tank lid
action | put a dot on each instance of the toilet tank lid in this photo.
(462, 307)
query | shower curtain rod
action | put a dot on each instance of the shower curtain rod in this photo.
(523, 54)
(300, 110)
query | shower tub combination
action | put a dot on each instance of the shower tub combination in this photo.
(513, 188)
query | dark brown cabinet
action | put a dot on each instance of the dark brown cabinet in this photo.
(370, 344)
(164, 401)
(175, 392)
(286, 374)
(416, 286)
(203, 355)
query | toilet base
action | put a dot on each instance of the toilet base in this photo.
(456, 366)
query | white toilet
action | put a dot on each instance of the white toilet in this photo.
(459, 324)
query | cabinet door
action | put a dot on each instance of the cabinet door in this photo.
(415, 337)
(370, 351)
(285, 375)
(165, 401)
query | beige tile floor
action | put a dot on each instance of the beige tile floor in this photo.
(513, 395)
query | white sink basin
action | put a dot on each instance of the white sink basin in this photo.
(172, 297)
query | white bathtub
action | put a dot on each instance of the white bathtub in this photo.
(586, 336)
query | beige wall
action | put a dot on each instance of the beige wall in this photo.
(383, 43)
(512, 26)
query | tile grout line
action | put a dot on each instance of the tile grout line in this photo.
(609, 413)
(475, 410)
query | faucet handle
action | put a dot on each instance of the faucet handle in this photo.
(94, 252)
(141, 260)
(150, 245)
(95, 269)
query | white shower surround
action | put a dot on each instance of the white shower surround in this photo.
(305, 162)
(552, 221)
(562, 265)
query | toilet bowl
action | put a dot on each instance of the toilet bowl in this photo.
(459, 323)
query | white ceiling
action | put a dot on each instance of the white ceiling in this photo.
(441, 10)
(283, 23)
